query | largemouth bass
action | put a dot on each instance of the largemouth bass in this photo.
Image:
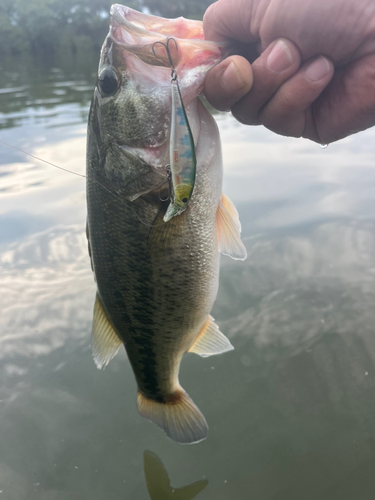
(156, 281)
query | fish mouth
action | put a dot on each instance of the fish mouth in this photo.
(138, 34)
(142, 24)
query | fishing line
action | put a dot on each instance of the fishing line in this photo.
(84, 177)
(44, 161)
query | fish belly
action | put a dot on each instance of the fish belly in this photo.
(157, 281)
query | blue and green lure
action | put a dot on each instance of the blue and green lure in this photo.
(182, 159)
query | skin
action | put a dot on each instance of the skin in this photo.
(312, 71)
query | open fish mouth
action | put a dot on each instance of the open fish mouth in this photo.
(192, 56)
(134, 83)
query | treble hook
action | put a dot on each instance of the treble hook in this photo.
(166, 46)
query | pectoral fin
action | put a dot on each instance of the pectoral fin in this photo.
(210, 340)
(229, 230)
(105, 341)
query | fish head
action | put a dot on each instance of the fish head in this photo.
(132, 98)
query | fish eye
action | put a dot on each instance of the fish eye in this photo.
(184, 200)
(108, 81)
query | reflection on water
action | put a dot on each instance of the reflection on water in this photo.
(291, 409)
(158, 483)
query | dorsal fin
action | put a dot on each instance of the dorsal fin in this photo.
(105, 341)
(229, 230)
(210, 340)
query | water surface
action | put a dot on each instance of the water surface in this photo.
(291, 410)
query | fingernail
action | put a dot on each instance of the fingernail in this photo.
(318, 69)
(280, 57)
(231, 78)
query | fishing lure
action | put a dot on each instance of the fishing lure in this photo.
(182, 159)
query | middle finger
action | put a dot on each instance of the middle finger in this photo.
(272, 68)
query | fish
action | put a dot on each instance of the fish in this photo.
(158, 483)
(157, 280)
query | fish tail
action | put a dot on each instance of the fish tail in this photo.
(178, 416)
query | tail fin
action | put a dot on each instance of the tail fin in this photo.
(180, 419)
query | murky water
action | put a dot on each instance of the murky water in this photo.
(291, 410)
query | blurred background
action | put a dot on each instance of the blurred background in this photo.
(53, 27)
(291, 410)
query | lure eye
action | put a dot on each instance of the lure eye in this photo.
(184, 200)
(108, 81)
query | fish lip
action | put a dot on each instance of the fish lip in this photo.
(118, 15)
(125, 17)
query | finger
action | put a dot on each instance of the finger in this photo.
(228, 82)
(346, 106)
(285, 113)
(222, 20)
(272, 68)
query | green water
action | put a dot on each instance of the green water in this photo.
(291, 410)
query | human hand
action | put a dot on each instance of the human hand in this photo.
(315, 75)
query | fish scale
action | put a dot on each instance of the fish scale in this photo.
(157, 281)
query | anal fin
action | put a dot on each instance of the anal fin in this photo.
(229, 230)
(210, 340)
(105, 341)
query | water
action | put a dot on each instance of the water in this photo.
(291, 410)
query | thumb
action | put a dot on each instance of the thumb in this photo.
(235, 19)
(228, 82)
